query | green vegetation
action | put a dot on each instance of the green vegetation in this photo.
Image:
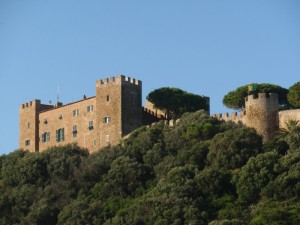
(294, 95)
(236, 99)
(174, 101)
(201, 171)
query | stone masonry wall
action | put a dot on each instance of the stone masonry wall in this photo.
(286, 115)
(65, 117)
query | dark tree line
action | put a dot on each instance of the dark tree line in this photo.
(201, 171)
(288, 98)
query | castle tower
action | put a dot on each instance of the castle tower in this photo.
(262, 113)
(29, 125)
(118, 106)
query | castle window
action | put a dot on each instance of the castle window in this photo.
(107, 138)
(106, 119)
(27, 142)
(90, 108)
(28, 125)
(94, 142)
(60, 135)
(107, 98)
(45, 121)
(91, 127)
(74, 131)
(60, 117)
(46, 136)
(75, 112)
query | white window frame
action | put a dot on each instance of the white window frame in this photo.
(106, 119)
(75, 112)
(90, 108)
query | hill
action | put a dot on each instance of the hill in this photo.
(201, 171)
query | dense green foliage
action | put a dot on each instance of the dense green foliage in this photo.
(174, 101)
(201, 171)
(294, 95)
(236, 99)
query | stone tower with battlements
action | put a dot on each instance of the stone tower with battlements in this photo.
(118, 106)
(262, 113)
(29, 124)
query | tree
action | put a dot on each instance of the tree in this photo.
(233, 148)
(255, 176)
(174, 101)
(236, 99)
(290, 134)
(294, 95)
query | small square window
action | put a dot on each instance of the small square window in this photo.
(60, 117)
(45, 121)
(27, 142)
(46, 136)
(106, 119)
(75, 112)
(90, 108)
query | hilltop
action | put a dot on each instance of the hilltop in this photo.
(200, 171)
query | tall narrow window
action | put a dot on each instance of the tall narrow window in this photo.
(107, 138)
(60, 135)
(107, 98)
(91, 127)
(74, 131)
(28, 125)
(46, 136)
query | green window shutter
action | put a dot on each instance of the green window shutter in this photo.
(43, 139)
(48, 136)
(62, 134)
(57, 133)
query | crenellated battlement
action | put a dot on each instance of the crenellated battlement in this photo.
(119, 79)
(261, 96)
(31, 104)
(234, 116)
(150, 112)
(261, 113)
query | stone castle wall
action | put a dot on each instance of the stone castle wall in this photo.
(75, 119)
(262, 113)
(286, 115)
(93, 123)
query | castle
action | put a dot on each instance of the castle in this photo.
(262, 113)
(93, 122)
(116, 111)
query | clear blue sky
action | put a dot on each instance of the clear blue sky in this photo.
(204, 47)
